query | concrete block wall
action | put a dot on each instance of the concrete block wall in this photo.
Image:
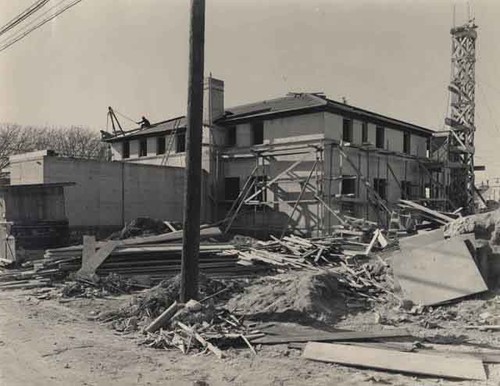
(106, 193)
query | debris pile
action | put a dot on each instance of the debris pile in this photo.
(293, 252)
(113, 284)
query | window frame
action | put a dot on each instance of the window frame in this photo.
(364, 132)
(143, 147)
(161, 145)
(347, 130)
(380, 137)
(180, 142)
(126, 149)
(257, 127)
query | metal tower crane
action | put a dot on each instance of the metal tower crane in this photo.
(461, 120)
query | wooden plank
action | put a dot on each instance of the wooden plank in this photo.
(431, 212)
(413, 363)
(92, 262)
(325, 336)
(438, 272)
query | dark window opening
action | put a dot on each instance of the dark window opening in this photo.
(258, 133)
(406, 143)
(143, 148)
(348, 185)
(231, 188)
(380, 137)
(160, 145)
(347, 130)
(126, 149)
(259, 183)
(406, 190)
(180, 146)
(231, 136)
(380, 186)
(364, 132)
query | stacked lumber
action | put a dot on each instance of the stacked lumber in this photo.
(152, 260)
(155, 257)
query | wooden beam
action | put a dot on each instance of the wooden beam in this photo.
(413, 363)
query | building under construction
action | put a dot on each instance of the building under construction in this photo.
(308, 163)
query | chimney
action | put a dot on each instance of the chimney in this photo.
(213, 100)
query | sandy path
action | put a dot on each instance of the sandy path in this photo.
(46, 343)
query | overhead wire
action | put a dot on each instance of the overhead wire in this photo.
(22, 16)
(7, 43)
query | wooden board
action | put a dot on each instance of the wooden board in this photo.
(91, 262)
(414, 363)
(438, 272)
(325, 336)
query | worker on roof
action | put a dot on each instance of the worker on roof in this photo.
(144, 122)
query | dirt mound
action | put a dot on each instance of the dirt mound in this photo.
(300, 296)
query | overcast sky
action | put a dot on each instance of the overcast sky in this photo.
(389, 56)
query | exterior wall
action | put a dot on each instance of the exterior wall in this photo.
(108, 193)
(393, 140)
(174, 159)
(28, 204)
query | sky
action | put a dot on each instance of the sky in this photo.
(388, 56)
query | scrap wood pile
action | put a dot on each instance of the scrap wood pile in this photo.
(427, 217)
(190, 327)
(113, 284)
(316, 253)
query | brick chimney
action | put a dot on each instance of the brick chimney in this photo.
(213, 100)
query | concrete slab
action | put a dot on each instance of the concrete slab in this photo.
(420, 240)
(438, 272)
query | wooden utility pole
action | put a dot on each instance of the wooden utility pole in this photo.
(192, 186)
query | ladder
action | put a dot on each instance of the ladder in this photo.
(170, 145)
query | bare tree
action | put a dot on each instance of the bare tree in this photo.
(77, 142)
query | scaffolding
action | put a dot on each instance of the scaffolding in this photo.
(460, 141)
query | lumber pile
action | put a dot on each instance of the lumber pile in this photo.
(153, 257)
(293, 252)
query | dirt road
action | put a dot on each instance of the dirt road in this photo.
(43, 343)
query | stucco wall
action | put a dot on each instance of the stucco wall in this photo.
(105, 193)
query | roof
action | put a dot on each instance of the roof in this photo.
(156, 128)
(296, 103)
(291, 104)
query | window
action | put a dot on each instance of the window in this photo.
(406, 190)
(258, 133)
(347, 130)
(126, 149)
(379, 185)
(364, 132)
(180, 146)
(348, 185)
(406, 143)
(231, 136)
(259, 182)
(380, 137)
(143, 147)
(231, 188)
(160, 145)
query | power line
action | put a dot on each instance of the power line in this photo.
(20, 36)
(23, 16)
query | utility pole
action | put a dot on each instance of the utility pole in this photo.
(192, 186)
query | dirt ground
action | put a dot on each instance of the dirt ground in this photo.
(45, 342)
